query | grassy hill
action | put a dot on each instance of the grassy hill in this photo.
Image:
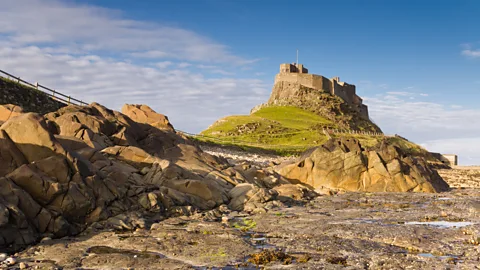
(284, 129)
(288, 130)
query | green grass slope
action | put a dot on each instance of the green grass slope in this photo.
(289, 130)
(284, 129)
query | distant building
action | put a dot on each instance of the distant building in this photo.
(448, 159)
(452, 158)
(294, 75)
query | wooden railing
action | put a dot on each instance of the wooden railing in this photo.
(49, 92)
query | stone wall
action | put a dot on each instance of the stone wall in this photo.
(452, 159)
(363, 110)
(30, 99)
(345, 91)
(289, 79)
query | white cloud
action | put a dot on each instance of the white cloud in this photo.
(400, 93)
(222, 72)
(86, 28)
(467, 149)
(400, 115)
(183, 65)
(469, 51)
(96, 54)
(150, 54)
(427, 123)
(206, 66)
(163, 64)
(191, 100)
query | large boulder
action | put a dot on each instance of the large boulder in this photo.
(344, 164)
(30, 135)
(144, 114)
(248, 196)
(8, 111)
(78, 165)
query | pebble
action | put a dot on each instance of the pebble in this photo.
(3, 257)
(10, 261)
(23, 265)
(155, 226)
(45, 239)
(225, 219)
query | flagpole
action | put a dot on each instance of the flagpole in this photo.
(297, 57)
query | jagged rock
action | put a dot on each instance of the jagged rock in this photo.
(248, 196)
(30, 135)
(81, 165)
(344, 164)
(8, 111)
(289, 192)
(132, 155)
(145, 114)
(4, 215)
(10, 156)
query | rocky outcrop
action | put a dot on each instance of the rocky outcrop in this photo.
(344, 164)
(67, 169)
(320, 102)
(145, 114)
(8, 111)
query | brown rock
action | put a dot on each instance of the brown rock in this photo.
(8, 111)
(344, 164)
(30, 135)
(132, 155)
(4, 215)
(244, 194)
(287, 192)
(144, 114)
(37, 184)
(10, 157)
(80, 165)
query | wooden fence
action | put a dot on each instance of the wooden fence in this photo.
(49, 92)
(236, 141)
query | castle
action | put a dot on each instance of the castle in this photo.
(292, 76)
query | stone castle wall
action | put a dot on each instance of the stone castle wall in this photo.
(291, 76)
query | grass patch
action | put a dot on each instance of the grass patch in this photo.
(285, 130)
(245, 225)
(289, 130)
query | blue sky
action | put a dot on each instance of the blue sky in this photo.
(415, 63)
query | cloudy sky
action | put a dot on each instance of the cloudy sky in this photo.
(416, 64)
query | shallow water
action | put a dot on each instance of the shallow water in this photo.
(430, 255)
(441, 224)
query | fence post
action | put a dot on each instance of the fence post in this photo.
(36, 85)
(68, 100)
(53, 93)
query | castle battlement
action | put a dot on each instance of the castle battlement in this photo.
(291, 76)
(293, 68)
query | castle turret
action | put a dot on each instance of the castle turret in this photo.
(293, 68)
